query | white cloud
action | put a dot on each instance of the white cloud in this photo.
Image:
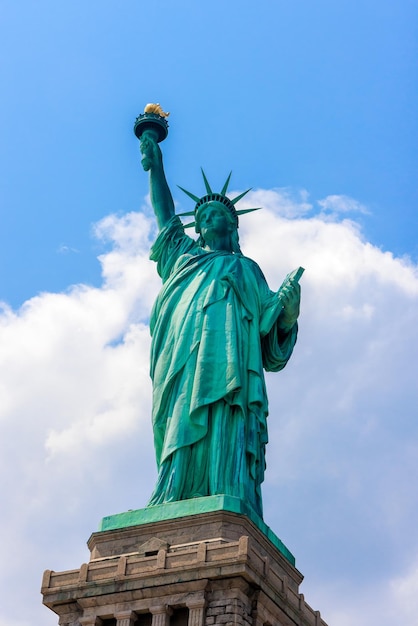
(342, 204)
(75, 407)
(286, 202)
(343, 435)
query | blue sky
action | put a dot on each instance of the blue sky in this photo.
(320, 96)
(314, 105)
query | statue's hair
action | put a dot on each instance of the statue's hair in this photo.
(233, 236)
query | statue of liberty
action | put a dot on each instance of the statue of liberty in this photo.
(215, 326)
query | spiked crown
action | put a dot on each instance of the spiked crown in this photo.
(212, 196)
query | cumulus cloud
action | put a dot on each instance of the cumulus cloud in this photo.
(341, 204)
(287, 202)
(75, 409)
(74, 388)
(343, 432)
(80, 356)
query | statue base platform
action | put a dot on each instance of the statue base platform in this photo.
(195, 506)
(169, 565)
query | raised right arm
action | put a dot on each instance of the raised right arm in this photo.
(152, 161)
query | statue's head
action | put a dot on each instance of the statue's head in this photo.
(224, 204)
(215, 218)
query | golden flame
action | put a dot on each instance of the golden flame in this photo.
(155, 108)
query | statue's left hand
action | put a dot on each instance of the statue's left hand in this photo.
(290, 298)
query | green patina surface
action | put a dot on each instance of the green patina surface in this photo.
(216, 326)
(195, 506)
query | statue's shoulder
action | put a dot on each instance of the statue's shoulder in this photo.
(251, 265)
(173, 232)
(253, 270)
(171, 247)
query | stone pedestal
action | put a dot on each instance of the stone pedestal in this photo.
(206, 569)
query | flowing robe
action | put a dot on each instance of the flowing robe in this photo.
(214, 328)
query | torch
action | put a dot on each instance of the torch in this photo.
(153, 121)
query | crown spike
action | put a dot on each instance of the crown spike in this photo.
(235, 200)
(225, 187)
(242, 211)
(186, 214)
(188, 193)
(208, 189)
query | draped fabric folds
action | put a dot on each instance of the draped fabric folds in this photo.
(214, 328)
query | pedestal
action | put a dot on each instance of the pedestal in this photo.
(209, 568)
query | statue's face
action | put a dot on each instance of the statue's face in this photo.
(214, 221)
